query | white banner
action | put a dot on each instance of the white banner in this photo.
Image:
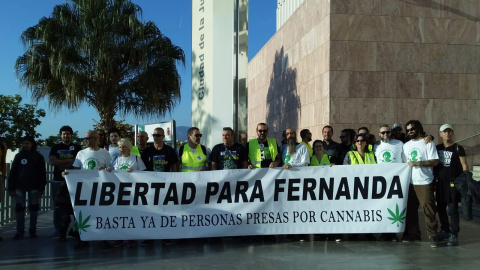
(311, 200)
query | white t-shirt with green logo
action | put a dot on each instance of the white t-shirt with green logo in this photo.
(134, 162)
(88, 159)
(419, 151)
(390, 152)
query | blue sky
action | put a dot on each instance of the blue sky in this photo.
(173, 18)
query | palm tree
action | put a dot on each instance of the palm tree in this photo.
(100, 53)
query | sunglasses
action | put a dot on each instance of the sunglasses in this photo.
(158, 135)
(411, 129)
(360, 141)
(385, 132)
(262, 130)
(198, 135)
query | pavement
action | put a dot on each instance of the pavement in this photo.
(237, 253)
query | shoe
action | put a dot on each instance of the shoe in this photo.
(33, 234)
(434, 241)
(55, 234)
(81, 244)
(17, 237)
(167, 242)
(452, 240)
(131, 243)
(410, 238)
(147, 243)
(104, 244)
(443, 235)
(370, 237)
(118, 243)
(73, 234)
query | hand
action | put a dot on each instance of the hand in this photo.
(272, 165)
(250, 166)
(129, 170)
(411, 164)
(287, 166)
(109, 169)
(428, 139)
(64, 173)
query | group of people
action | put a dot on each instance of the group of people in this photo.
(433, 167)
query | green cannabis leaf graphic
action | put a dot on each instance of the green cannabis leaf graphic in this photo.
(397, 217)
(80, 224)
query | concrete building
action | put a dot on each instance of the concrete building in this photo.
(219, 67)
(353, 63)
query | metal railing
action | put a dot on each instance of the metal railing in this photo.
(464, 139)
(7, 206)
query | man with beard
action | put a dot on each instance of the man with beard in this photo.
(422, 158)
(306, 136)
(295, 154)
(61, 157)
(114, 136)
(330, 146)
(388, 151)
(262, 152)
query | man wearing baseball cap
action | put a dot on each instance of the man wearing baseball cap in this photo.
(452, 162)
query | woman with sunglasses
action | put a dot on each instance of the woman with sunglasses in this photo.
(319, 158)
(362, 153)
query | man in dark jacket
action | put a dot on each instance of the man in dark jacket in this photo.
(452, 163)
(28, 175)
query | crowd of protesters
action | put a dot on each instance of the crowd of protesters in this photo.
(433, 169)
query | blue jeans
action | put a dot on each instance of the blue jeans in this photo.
(33, 206)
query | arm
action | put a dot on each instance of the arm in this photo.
(463, 160)
(214, 166)
(54, 161)
(427, 163)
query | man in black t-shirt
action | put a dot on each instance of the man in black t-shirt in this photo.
(452, 162)
(229, 154)
(61, 157)
(160, 157)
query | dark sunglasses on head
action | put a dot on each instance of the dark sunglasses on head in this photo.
(385, 132)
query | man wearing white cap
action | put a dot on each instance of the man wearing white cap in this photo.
(452, 162)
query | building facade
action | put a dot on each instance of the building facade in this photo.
(360, 63)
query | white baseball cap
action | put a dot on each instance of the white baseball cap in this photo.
(445, 126)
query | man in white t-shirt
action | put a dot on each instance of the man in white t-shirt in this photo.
(93, 157)
(422, 158)
(389, 150)
(295, 154)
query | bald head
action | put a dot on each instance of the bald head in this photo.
(91, 139)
